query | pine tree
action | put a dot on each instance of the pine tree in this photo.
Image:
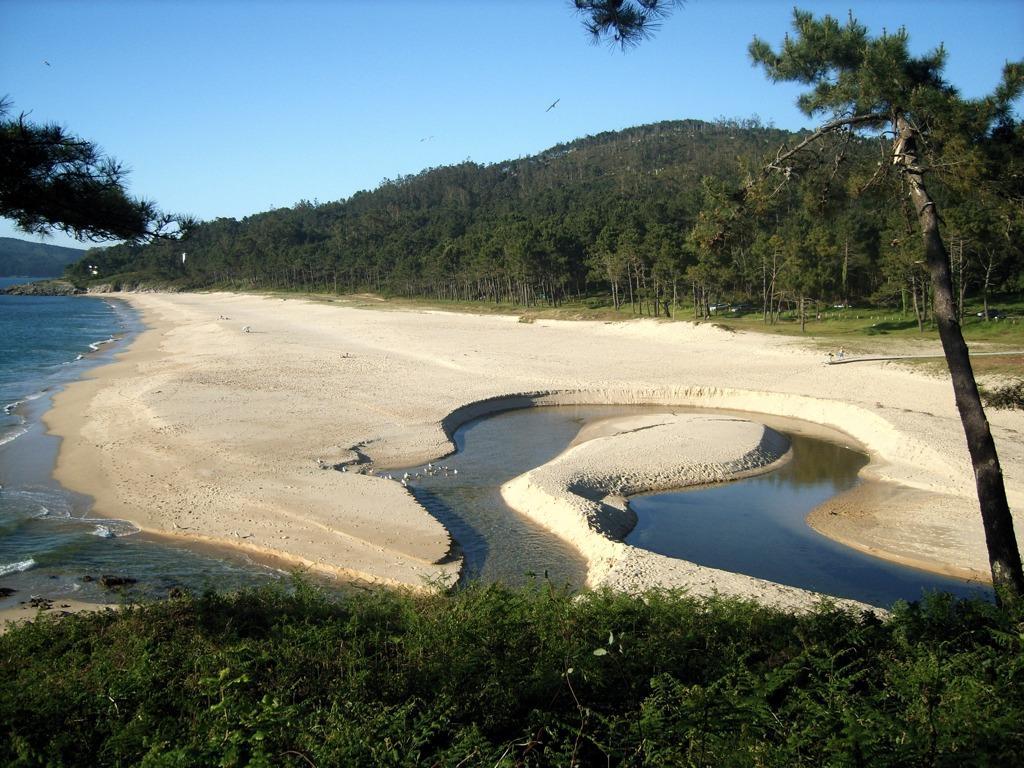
(862, 82)
(51, 180)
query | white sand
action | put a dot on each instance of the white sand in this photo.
(200, 430)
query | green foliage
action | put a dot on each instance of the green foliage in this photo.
(51, 180)
(963, 148)
(493, 676)
(851, 72)
(623, 22)
(1009, 396)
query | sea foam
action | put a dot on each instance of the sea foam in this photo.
(13, 435)
(97, 344)
(19, 567)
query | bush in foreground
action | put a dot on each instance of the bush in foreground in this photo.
(493, 676)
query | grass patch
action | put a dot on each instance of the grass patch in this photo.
(499, 677)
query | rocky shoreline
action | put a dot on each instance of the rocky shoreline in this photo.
(43, 288)
(58, 287)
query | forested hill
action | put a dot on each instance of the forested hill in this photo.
(23, 258)
(512, 226)
(645, 214)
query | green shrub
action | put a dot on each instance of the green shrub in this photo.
(1006, 397)
(495, 676)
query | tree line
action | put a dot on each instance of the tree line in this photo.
(648, 218)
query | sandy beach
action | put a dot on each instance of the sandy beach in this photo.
(202, 431)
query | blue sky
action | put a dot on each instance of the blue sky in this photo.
(230, 108)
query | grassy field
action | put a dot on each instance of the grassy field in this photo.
(871, 328)
(495, 677)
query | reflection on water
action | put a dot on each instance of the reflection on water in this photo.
(499, 544)
(757, 526)
(754, 526)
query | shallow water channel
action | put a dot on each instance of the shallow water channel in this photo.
(754, 526)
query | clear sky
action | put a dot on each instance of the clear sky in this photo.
(227, 108)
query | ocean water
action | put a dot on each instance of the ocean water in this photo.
(51, 545)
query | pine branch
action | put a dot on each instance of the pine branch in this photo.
(829, 127)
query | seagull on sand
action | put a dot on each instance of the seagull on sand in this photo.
(553, 103)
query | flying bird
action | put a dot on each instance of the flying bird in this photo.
(46, 62)
(553, 103)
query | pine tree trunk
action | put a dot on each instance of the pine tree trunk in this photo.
(764, 291)
(1003, 555)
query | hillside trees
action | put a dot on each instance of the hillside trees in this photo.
(984, 243)
(715, 235)
(445, 232)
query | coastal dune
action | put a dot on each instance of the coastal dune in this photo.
(203, 431)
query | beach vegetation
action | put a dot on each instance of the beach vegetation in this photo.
(491, 676)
